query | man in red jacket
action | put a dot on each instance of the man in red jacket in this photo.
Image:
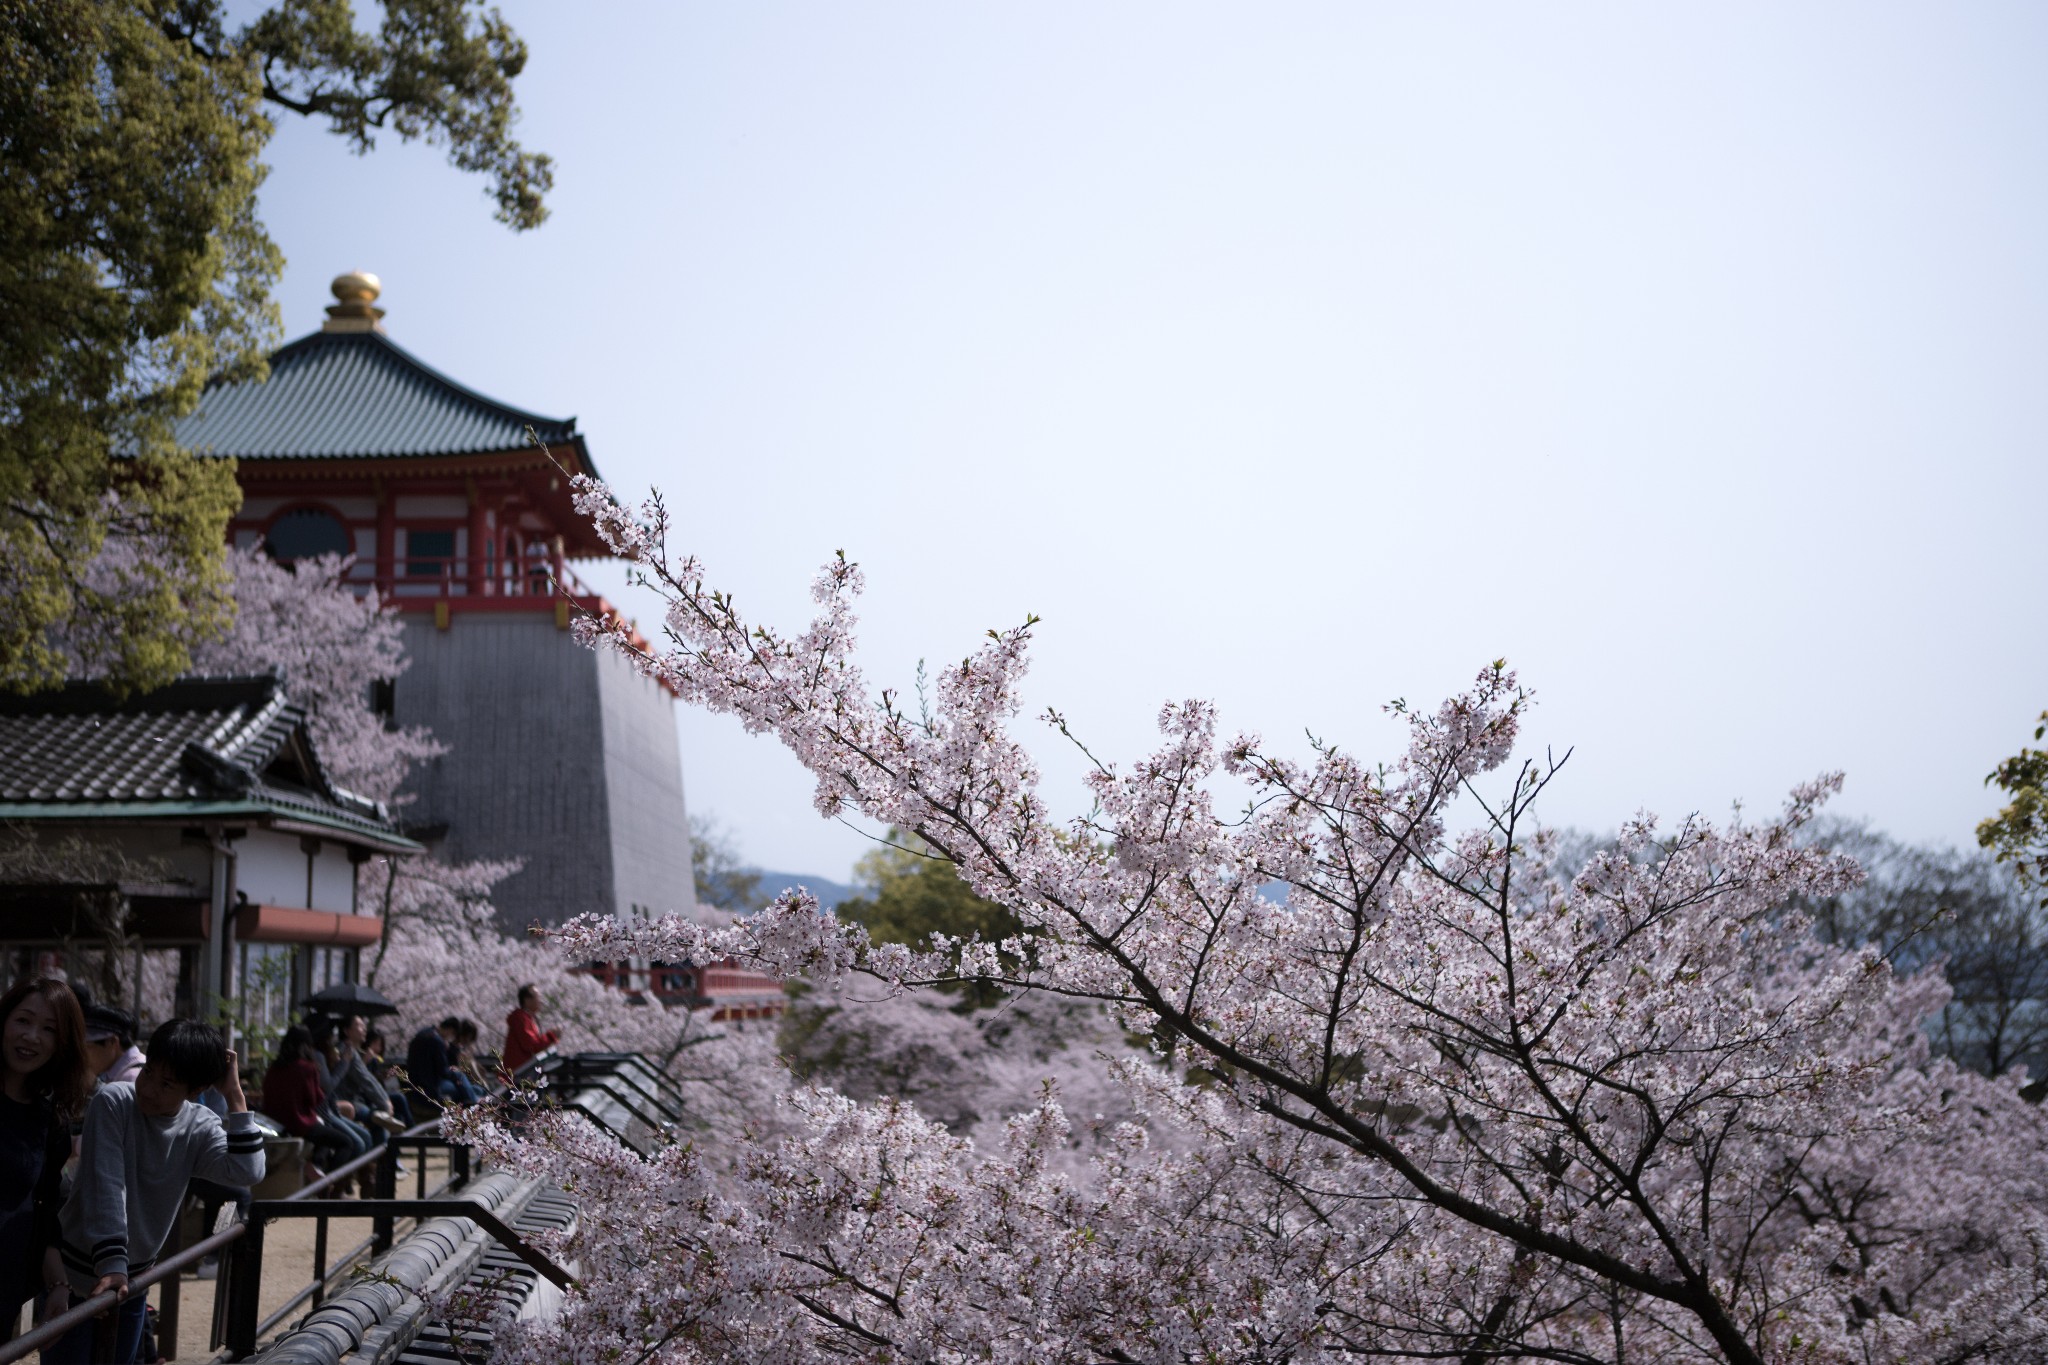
(523, 1039)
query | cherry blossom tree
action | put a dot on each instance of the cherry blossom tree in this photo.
(445, 953)
(728, 1076)
(1452, 1099)
(333, 645)
(968, 1071)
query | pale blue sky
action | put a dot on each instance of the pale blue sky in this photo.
(1302, 357)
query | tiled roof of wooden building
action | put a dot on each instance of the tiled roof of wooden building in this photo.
(199, 746)
(357, 395)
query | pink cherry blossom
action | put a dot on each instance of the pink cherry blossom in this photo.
(1451, 1099)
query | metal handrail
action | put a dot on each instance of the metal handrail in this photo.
(665, 1096)
(243, 1330)
(383, 1212)
(584, 1071)
(235, 1309)
(383, 1223)
(49, 1333)
(55, 1329)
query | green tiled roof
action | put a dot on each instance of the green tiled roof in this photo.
(356, 395)
(198, 747)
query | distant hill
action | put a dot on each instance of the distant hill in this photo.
(828, 892)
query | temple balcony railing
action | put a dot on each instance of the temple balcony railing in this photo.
(415, 582)
(443, 587)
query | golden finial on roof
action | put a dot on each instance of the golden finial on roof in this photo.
(356, 309)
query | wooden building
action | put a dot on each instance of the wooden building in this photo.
(181, 846)
(456, 508)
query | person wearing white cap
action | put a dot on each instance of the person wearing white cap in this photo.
(110, 1043)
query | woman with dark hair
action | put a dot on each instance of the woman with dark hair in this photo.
(293, 1095)
(43, 1085)
(341, 1110)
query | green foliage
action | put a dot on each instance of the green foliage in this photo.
(260, 1013)
(723, 882)
(133, 269)
(2018, 834)
(436, 70)
(918, 894)
(131, 266)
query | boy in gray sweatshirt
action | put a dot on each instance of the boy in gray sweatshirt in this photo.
(143, 1140)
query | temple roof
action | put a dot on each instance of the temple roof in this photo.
(226, 747)
(356, 395)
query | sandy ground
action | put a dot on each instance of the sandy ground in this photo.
(287, 1267)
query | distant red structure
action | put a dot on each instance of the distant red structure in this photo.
(726, 989)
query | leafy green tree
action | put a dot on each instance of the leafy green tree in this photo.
(918, 894)
(133, 268)
(2019, 833)
(723, 881)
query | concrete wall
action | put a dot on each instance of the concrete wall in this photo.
(557, 755)
(644, 784)
(515, 701)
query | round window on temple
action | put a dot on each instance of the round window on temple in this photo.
(305, 533)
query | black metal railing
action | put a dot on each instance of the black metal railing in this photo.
(238, 1321)
(629, 1086)
(236, 1324)
(97, 1308)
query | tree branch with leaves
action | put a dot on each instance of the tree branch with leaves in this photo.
(134, 269)
(2018, 834)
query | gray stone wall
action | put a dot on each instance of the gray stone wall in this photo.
(650, 825)
(559, 755)
(516, 702)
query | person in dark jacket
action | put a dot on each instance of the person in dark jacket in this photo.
(430, 1068)
(44, 1081)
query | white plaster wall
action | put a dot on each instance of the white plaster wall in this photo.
(334, 880)
(271, 870)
